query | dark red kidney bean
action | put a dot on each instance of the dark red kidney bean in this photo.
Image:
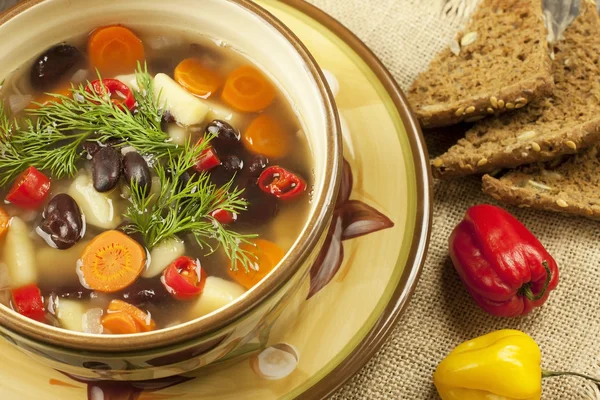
(261, 207)
(257, 164)
(91, 147)
(225, 137)
(232, 164)
(52, 65)
(62, 221)
(145, 290)
(106, 169)
(135, 168)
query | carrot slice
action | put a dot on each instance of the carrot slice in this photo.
(266, 136)
(191, 74)
(4, 222)
(247, 89)
(111, 262)
(142, 319)
(63, 89)
(267, 254)
(119, 323)
(115, 50)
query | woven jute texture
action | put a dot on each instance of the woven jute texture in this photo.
(406, 34)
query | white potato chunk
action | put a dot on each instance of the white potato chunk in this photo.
(70, 314)
(162, 255)
(130, 80)
(217, 293)
(101, 210)
(178, 134)
(185, 107)
(58, 267)
(217, 111)
(19, 254)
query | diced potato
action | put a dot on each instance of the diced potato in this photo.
(101, 210)
(19, 254)
(130, 80)
(58, 267)
(217, 293)
(178, 134)
(70, 314)
(162, 255)
(185, 107)
(217, 111)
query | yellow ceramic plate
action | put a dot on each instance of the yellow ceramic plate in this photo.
(363, 278)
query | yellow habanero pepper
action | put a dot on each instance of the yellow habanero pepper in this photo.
(502, 365)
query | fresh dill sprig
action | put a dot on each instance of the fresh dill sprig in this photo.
(185, 206)
(88, 111)
(43, 146)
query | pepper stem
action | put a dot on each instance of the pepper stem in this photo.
(526, 289)
(549, 374)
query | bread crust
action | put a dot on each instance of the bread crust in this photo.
(565, 123)
(482, 92)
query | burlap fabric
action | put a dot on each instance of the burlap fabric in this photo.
(406, 34)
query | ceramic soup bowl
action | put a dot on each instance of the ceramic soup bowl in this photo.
(33, 26)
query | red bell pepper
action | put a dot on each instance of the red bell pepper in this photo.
(184, 278)
(223, 216)
(30, 189)
(27, 300)
(504, 267)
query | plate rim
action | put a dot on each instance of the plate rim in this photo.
(406, 286)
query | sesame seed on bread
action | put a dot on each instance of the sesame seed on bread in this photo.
(499, 62)
(567, 185)
(564, 123)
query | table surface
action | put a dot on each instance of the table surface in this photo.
(406, 34)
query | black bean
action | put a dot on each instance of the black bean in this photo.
(257, 164)
(52, 65)
(62, 221)
(106, 169)
(135, 168)
(225, 137)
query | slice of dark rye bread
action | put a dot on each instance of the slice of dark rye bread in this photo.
(568, 185)
(563, 123)
(500, 61)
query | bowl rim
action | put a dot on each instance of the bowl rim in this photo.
(314, 228)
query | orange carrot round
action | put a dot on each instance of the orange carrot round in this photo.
(198, 80)
(119, 323)
(266, 136)
(115, 50)
(111, 262)
(63, 89)
(247, 89)
(267, 254)
(142, 319)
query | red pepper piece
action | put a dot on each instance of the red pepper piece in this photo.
(119, 92)
(184, 278)
(223, 216)
(30, 189)
(504, 267)
(281, 183)
(27, 301)
(208, 160)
